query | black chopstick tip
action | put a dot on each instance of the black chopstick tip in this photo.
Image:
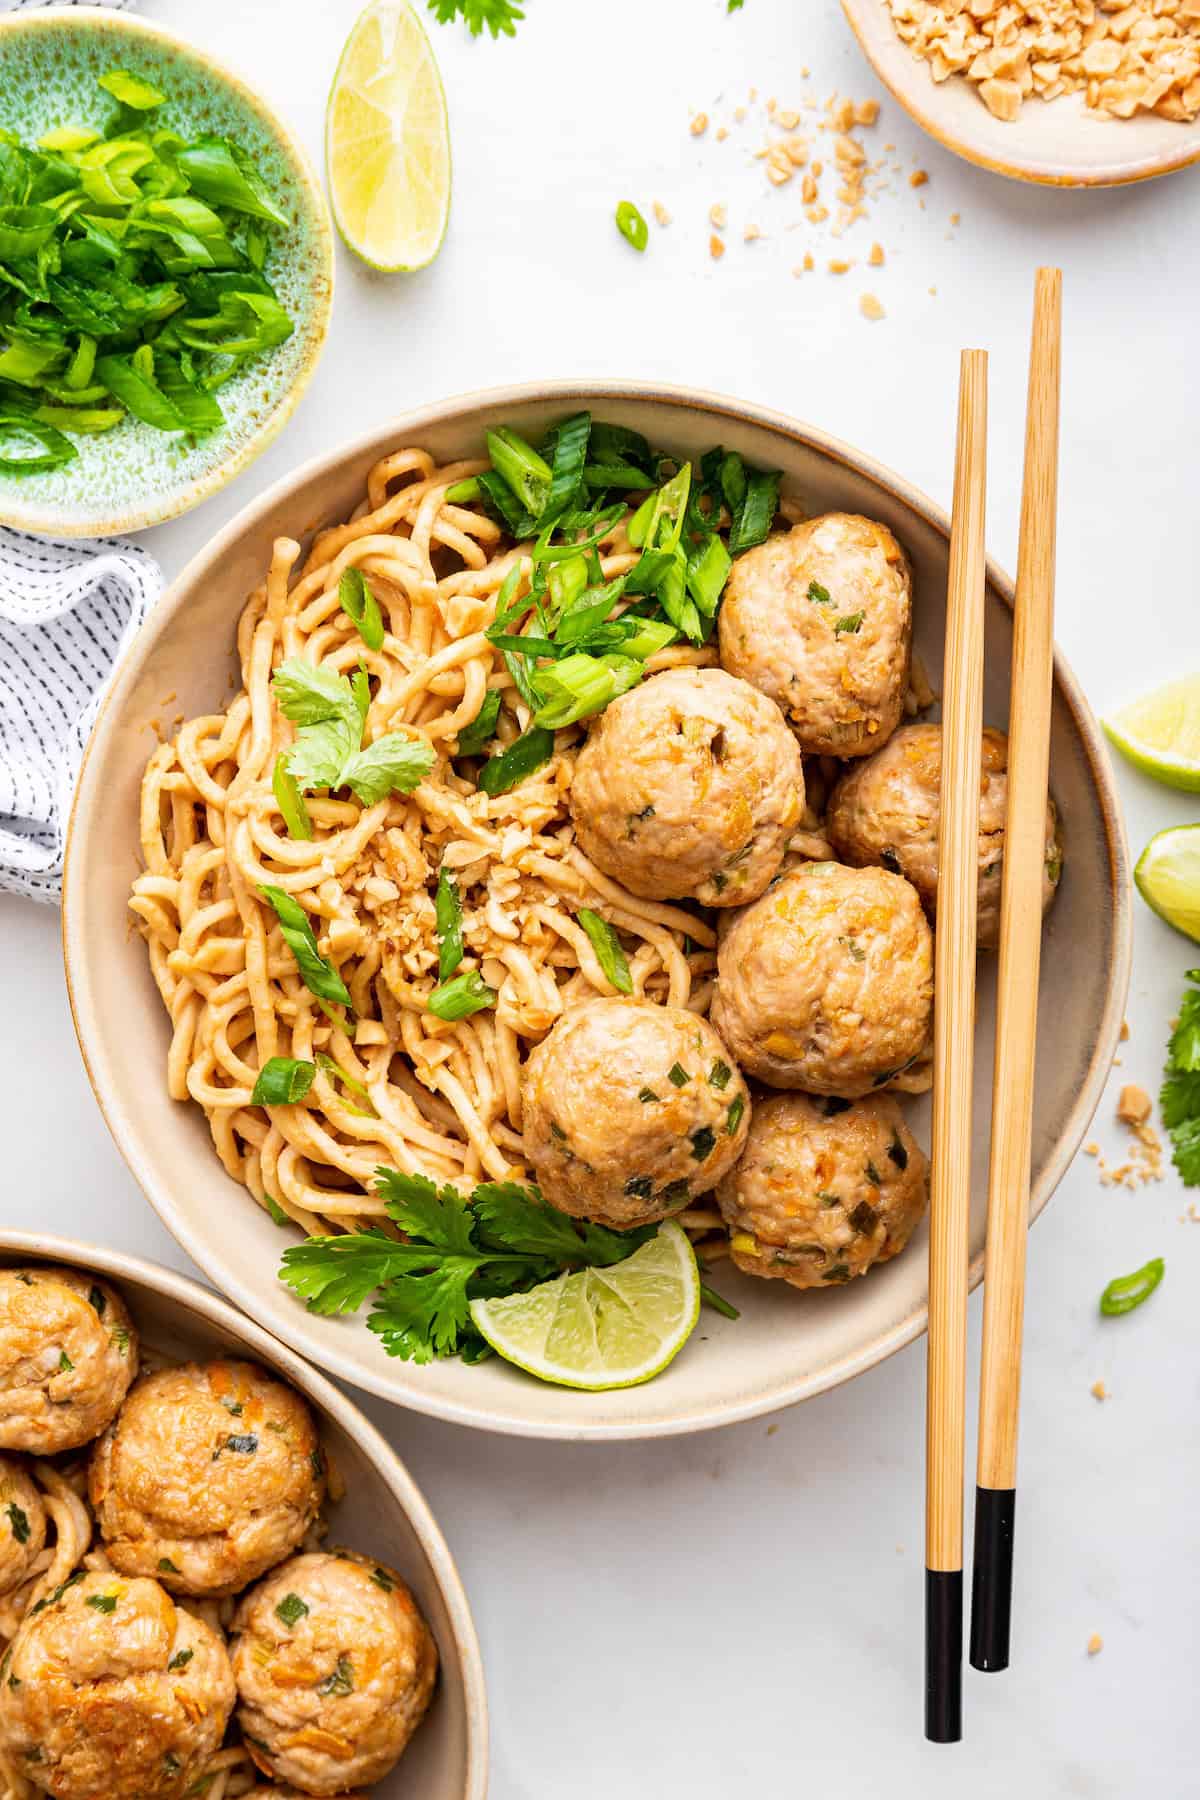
(991, 1578)
(943, 1655)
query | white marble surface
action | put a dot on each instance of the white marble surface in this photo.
(741, 1613)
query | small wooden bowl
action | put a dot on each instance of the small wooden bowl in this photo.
(382, 1511)
(1058, 143)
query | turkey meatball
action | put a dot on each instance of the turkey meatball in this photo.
(22, 1524)
(688, 787)
(826, 982)
(820, 618)
(887, 809)
(825, 1189)
(334, 1667)
(212, 1473)
(68, 1352)
(110, 1688)
(630, 1110)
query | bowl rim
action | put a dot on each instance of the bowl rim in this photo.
(140, 517)
(1120, 172)
(568, 393)
(121, 1265)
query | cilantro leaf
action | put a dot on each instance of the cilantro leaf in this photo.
(1183, 1051)
(1186, 1153)
(335, 1274)
(320, 753)
(393, 764)
(519, 1219)
(439, 1215)
(1179, 1099)
(421, 1317)
(500, 16)
(310, 693)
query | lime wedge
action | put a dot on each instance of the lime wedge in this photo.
(601, 1328)
(1168, 877)
(387, 141)
(1160, 733)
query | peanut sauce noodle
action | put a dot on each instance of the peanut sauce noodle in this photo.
(419, 1094)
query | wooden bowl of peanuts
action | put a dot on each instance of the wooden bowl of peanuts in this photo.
(1093, 93)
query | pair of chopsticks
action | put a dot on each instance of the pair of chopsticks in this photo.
(1016, 1027)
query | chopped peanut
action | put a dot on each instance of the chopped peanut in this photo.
(1134, 1105)
(870, 307)
(699, 124)
(918, 178)
(876, 257)
(1095, 1644)
(1099, 1391)
(661, 215)
(718, 216)
(716, 248)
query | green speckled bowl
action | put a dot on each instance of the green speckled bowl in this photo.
(134, 476)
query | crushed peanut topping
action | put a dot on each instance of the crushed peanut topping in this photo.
(661, 215)
(718, 216)
(1134, 1105)
(871, 308)
(1095, 1644)
(918, 178)
(1098, 1391)
(699, 124)
(1140, 56)
(876, 258)
(716, 248)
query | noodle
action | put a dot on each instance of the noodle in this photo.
(443, 1097)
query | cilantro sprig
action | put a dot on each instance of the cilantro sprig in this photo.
(329, 711)
(500, 16)
(1179, 1098)
(503, 1240)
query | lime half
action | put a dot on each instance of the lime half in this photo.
(1168, 877)
(387, 141)
(601, 1328)
(1160, 733)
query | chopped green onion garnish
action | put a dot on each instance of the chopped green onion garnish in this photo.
(290, 800)
(359, 604)
(448, 910)
(607, 945)
(513, 765)
(1128, 1291)
(458, 999)
(282, 1081)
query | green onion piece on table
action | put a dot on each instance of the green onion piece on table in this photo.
(1128, 1291)
(632, 226)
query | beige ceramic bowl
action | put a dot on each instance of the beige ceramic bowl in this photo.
(786, 1345)
(383, 1511)
(1060, 144)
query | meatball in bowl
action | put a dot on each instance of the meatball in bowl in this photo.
(688, 788)
(820, 619)
(887, 810)
(631, 1110)
(826, 982)
(826, 1189)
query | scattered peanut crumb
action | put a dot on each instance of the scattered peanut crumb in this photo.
(1134, 1105)
(699, 124)
(716, 249)
(787, 120)
(876, 257)
(866, 112)
(718, 216)
(739, 113)
(955, 218)
(918, 178)
(1099, 1391)
(721, 134)
(871, 308)
(810, 262)
(1091, 1148)
(933, 290)
(771, 1430)
(1124, 1031)
(661, 215)
(751, 234)
(839, 266)
(1095, 1644)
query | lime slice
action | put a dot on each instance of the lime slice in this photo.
(387, 141)
(1168, 877)
(601, 1328)
(1161, 733)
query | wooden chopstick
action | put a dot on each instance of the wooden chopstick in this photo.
(1017, 993)
(954, 1040)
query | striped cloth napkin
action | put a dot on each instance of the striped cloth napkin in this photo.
(68, 608)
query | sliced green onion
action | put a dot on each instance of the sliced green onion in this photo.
(519, 761)
(707, 572)
(360, 605)
(580, 685)
(335, 1072)
(632, 226)
(616, 475)
(651, 636)
(463, 492)
(474, 737)
(617, 444)
(851, 624)
(18, 437)
(566, 476)
(1128, 1291)
(448, 912)
(139, 392)
(607, 945)
(24, 229)
(518, 464)
(131, 90)
(224, 176)
(290, 800)
(756, 515)
(318, 976)
(710, 1297)
(458, 999)
(567, 581)
(282, 1081)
